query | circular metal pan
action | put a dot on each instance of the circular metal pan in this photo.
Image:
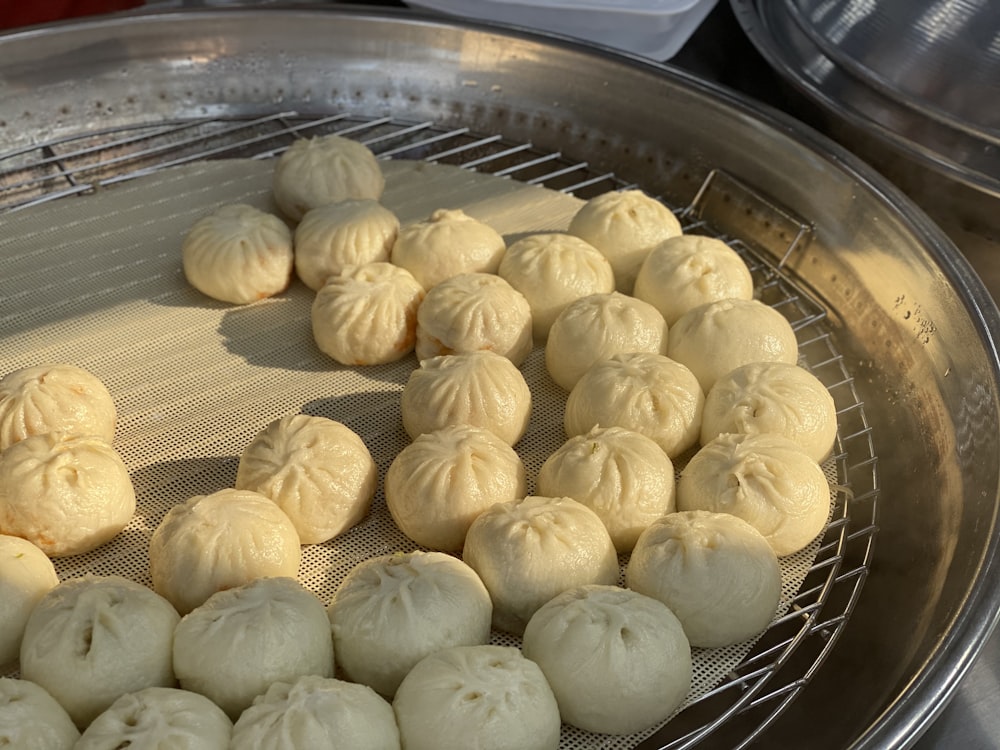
(86, 104)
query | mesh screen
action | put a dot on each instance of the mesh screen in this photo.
(97, 282)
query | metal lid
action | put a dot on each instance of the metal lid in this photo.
(961, 151)
(940, 58)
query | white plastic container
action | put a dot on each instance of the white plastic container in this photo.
(656, 29)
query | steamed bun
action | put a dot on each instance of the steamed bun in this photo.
(31, 719)
(618, 662)
(238, 254)
(67, 494)
(596, 328)
(472, 312)
(447, 243)
(90, 640)
(714, 571)
(241, 640)
(622, 475)
(552, 270)
(625, 225)
(367, 315)
(767, 480)
(772, 397)
(160, 718)
(317, 712)
(690, 270)
(54, 398)
(527, 551)
(715, 338)
(481, 389)
(647, 393)
(325, 169)
(336, 236)
(392, 611)
(26, 575)
(218, 541)
(317, 470)
(491, 693)
(437, 485)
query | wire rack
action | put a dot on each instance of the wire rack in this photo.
(737, 710)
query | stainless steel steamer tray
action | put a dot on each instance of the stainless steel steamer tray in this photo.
(886, 309)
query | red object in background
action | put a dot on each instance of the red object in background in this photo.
(14, 13)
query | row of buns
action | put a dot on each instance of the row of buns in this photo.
(254, 666)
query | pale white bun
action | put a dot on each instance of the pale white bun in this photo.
(714, 571)
(625, 225)
(90, 640)
(689, 270)
(67, 494)
(472, 312)
(447, 243)
(26, 575)
(490, 693)
(767, 480)
(618, 661)
(527, 551)
(392, 611)
(595, 328)
(54, 398)
(159, 718)
(336, 236)
(648, 393)
(481, 389)
(552, 270)
(214, 542)
(717, 337)
(31, 719)
(241, 640)
(317, 712)
(437, 485)
(317, 470)
(621, 475)
(776, 398)
(325, 169)
(367, 315)
(238, 254)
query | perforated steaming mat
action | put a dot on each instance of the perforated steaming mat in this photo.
(97, 282)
